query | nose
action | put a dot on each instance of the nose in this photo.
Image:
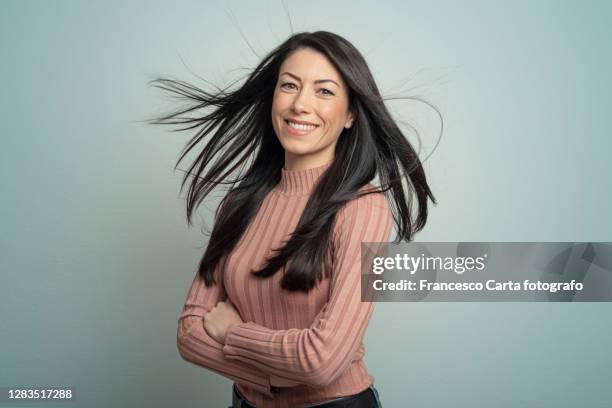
(301, 101)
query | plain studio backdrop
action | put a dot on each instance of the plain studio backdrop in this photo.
(97, 256)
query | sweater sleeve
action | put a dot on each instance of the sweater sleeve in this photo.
(197, 347)
(317, 355)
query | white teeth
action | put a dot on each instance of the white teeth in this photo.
(300, 126)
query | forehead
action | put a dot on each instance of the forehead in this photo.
(310, 65)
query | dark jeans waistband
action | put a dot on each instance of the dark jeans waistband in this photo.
(367, 398)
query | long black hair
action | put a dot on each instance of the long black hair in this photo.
(245, 153)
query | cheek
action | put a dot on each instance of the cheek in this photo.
(277, 112)
(334, 115)
(280, 102)
(274, 104)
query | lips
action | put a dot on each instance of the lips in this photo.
(298, 132)
(300, 122)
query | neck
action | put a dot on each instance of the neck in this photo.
(302, 181)
(295, 162)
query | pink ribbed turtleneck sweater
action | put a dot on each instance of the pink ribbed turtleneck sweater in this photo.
(294, 349)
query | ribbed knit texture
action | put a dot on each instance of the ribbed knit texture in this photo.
(294, 348)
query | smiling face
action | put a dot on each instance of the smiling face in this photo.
(311, 91)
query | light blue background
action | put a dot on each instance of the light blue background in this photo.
(97, 257)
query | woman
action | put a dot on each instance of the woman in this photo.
(275, 305)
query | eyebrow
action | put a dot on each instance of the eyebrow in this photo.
(318, 81)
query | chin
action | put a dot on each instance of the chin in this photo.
(297, 151)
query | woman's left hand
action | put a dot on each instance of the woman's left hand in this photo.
(219, 320)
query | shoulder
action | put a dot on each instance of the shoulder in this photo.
(368, 204)
(367, 210)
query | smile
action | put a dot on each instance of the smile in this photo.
(299, 129)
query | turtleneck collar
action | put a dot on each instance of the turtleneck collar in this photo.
(300, 182)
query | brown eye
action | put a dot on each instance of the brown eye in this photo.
(329, 92)
(287, 83)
